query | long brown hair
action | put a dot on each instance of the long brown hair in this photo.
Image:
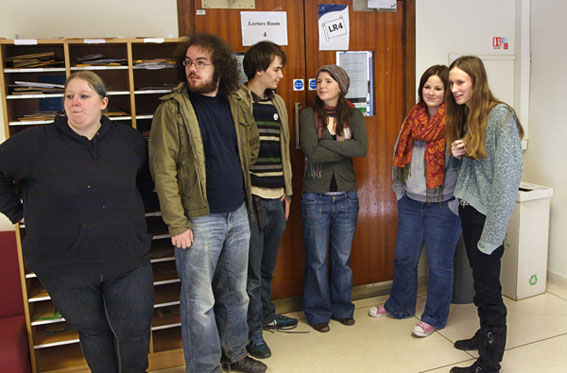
(343, 109)
(474, 114)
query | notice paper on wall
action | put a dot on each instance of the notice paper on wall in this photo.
(382, 4)
(334, 27)
(359, 66)
(242, 78)
(260, 26)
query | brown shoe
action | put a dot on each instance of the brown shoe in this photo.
(321, 328)
(349, 321)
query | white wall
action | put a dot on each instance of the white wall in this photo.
(546, 159)
(467, 27)
(460, 26)
(38, 19)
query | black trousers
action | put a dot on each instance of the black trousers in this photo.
(486, 270)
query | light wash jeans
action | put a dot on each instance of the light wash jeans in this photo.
(214, 302)
(329, 224)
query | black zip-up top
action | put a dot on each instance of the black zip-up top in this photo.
(81, 202)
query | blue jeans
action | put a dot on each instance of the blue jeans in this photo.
(214, 302)
(436, 226)
(325, 218)
(112, 314)
(264, 247)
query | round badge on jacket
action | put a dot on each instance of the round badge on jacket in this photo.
(276, 116)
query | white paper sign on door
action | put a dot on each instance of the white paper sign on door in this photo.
(334, 27)
(382, 4)
(259, 26)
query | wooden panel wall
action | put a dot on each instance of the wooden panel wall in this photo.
(391, 35)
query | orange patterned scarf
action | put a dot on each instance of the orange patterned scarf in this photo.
(418, 126)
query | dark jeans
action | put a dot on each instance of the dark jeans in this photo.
(329, 222)
(262, 258)
(436, 226)
(486, 271)
(112, 314)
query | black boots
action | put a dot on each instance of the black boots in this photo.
(491, 350)
(491, 344)
(471, 344)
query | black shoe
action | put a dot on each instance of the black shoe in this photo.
(247, 365)
(258, 347)
(281, 322)
(321, 328)
(470, 344)
(475, 368)
(349, 321)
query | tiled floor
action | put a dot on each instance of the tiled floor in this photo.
(537, 341)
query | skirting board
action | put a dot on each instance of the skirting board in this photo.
(377, 289)
(556, 280)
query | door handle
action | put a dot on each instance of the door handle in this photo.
(296, 108)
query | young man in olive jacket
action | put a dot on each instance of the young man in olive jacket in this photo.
(271, 187)
(200, 157)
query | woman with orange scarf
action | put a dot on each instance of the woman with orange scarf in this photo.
(427, 210)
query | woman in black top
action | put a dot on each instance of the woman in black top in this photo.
(86, 236)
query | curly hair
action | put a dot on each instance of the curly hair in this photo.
(226, 67)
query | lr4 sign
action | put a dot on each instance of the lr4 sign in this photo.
(334, 28)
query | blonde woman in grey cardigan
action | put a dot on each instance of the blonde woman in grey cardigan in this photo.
(485, 137)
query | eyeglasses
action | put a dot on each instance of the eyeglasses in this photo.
(198, 64)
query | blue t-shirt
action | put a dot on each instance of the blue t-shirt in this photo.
(225, 186)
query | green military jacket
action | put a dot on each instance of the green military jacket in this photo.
(177, 158)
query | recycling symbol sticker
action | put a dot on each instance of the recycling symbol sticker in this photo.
(533, 280)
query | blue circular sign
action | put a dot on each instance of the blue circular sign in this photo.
(312, 84)
(298, 84)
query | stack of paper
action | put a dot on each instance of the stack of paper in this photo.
(32, 88)
(43, 59)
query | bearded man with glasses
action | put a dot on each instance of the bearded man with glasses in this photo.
(201, 150)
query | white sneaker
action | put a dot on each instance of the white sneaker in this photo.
(423, 329)
(378, 311)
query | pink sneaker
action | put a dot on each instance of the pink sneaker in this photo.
(423, 329)
(378, 311)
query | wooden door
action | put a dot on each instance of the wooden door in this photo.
(390, 36)
(384, 34)
(288, 278)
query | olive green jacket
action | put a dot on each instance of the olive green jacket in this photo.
(334, 157)
(243, 97)
(177, 158)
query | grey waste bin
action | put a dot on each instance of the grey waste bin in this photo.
(463, 287)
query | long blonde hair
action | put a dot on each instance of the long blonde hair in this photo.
(474, 114)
